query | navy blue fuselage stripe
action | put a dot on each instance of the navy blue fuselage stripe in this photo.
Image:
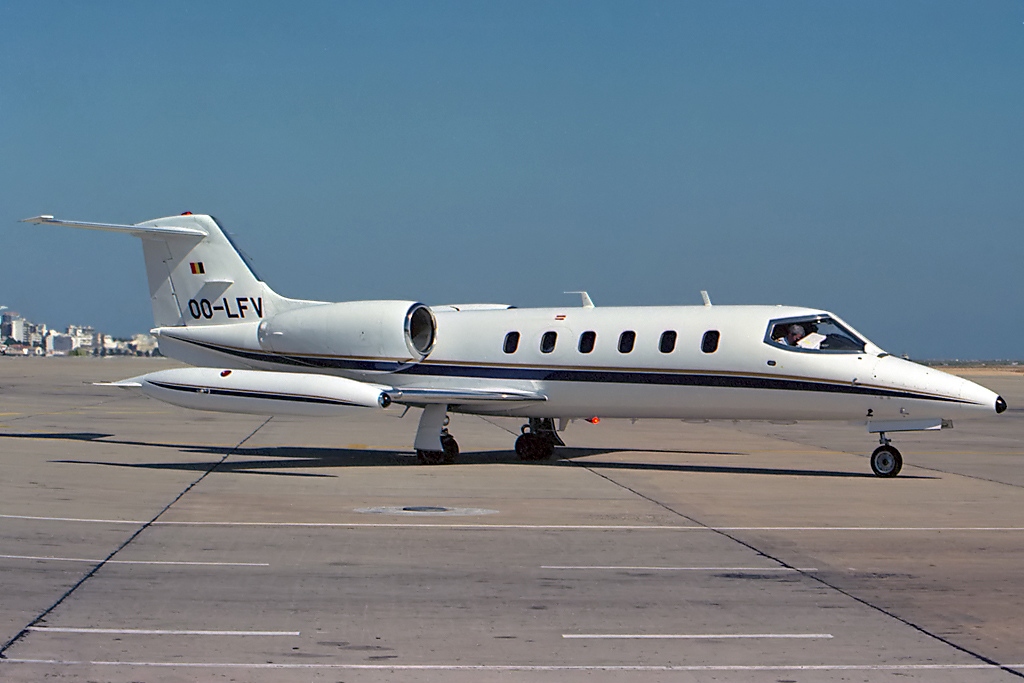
(242, 393)
(567, 375)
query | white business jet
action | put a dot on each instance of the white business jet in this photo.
(257, 352)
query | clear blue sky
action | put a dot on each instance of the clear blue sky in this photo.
(863, 157)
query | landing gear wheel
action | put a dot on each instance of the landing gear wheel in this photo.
(430, 457)
(451, 448)
(886, 461)
(445, 457)
(534, 447)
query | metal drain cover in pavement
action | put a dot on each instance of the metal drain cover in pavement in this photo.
(426, 510)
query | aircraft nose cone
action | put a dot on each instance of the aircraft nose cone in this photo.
(1000, 404)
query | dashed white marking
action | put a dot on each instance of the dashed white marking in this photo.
(692, 636)
(156, 632)
(157, 562)
(543, 527)
(526, 667)
(683, 569)
(426, 510)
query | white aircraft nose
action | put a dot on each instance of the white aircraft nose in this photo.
(982, 397)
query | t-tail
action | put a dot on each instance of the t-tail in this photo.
(197, 276)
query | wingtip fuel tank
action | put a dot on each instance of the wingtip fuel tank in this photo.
(256, 392)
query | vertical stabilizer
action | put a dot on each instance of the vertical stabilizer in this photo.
(196, 274)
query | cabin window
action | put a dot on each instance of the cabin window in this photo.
(587, 340)
(511, 342)
(814, 333)
(668, 341)
(626, 341)
(547, 342)
(709, 344)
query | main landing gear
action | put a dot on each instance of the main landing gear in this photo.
(886, 461)
(434, 445)
(538, 439)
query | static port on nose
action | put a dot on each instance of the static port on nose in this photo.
(1000, 404)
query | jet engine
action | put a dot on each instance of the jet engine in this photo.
(402, 331)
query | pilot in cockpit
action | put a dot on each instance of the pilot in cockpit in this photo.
(798, 335)
(793, 335)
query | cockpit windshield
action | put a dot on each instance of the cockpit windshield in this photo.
(813, 333)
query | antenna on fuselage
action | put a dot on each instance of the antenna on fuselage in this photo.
(587, 302)
(704, 295)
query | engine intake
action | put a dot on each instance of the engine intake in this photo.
(401, 331)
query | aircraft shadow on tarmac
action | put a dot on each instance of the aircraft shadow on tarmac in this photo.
(281, 460)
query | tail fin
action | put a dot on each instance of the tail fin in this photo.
(197, 276)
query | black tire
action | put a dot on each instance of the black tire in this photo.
(531, 446)
(451, 448)
(526, 446)
(886, 462)
(430, 457)
(545, 448)
(523, 446)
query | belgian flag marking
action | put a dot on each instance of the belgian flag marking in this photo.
(197, 268)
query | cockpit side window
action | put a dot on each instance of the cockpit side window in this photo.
(815, 333)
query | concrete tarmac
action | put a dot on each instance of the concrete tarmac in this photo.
(142, 542)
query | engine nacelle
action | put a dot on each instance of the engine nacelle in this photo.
(401, 331)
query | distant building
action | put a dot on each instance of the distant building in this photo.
(144, 344)
(57, 344)
(83, 337)
(13, 327)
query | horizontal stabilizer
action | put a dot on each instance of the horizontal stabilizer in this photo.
(137, 230)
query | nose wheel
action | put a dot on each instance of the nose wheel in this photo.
(886, 460)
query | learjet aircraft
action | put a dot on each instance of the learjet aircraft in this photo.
(254, 351)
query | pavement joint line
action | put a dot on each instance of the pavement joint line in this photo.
(684, 569)
(918, 466)
(158, 562)
(542, 527)
(157, 632)
(76, 409)
(975, 666)
(725, 532)
(693, 636)
(24, 631)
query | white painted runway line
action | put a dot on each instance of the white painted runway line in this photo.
(681, 569)
(156, 632)
(176, 563)
(541, 527)
(523, 667)
(694, 636)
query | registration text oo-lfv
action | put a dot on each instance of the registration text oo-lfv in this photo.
(254, 351)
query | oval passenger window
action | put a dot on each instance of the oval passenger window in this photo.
(668, 341)
(709, 344)
(587, 340)
(511, 342)
(626, 341)
(547, 342)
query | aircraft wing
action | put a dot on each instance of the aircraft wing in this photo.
(416, 396)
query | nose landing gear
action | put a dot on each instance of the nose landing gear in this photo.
(886, 460)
